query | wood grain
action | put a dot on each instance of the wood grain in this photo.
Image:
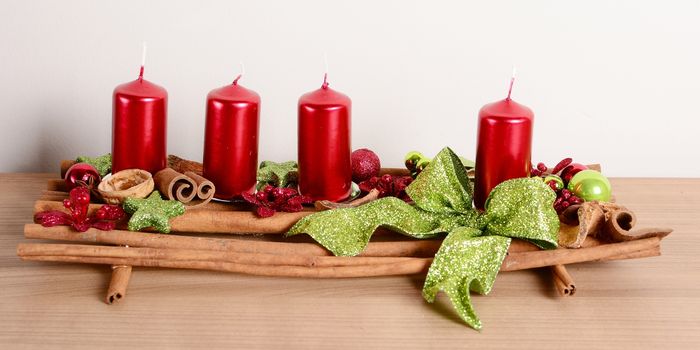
(646, 303)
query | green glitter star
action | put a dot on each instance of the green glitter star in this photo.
(103, 164)
(278, 174)
(152, 212)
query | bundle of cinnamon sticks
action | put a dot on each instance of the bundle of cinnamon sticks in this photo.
(123, 249)
(126, 248)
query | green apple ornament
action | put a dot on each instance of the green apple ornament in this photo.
(590, 185)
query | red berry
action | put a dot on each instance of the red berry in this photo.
(561, 165)
(541, 167)
(264, 212)
(387, 179)
(570, 170)
(575, 200)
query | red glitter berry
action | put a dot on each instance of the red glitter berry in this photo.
(561, 165)
(110, 212)
(566, 194)
(78, 204)
(270, 200)
(388, 186)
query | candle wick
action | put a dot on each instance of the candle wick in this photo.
(510, 89)
(325, 72)
(325, 81)
(512, 80)
(235, 81)
(143, 59)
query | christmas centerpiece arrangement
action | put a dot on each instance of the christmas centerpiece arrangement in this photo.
(457, 222)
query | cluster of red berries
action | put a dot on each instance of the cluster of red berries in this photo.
(78, 203)
(272, 199)
(558, 179)
(564, 200)
(388, 185)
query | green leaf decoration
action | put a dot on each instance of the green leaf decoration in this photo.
(443, 186)
(464, 263)
(522, 208)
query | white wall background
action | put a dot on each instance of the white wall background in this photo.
(614, 82)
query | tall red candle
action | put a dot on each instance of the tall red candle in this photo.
(324, 144)
(231, 140)
(504, 145)
(139, 126)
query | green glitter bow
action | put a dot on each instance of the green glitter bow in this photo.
(477, 243)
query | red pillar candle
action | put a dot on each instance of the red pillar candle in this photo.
(504, 145)
(324, 144)
(231, 140)
(139, 126)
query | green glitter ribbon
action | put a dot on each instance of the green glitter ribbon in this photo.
(152, 212)
(465, 262)
(277, 174)
(472, 253)
(103, 164)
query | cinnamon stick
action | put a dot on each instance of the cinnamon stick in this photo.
(118, 284)
(344, 268)
(644, 253)
(563, 281)
(54, 196)
(528, 260)
(183, 165)
(395, 171)
(214, 221)
(175, 186)
(408, 248)
(65, 165)
(178, 254)
(620, 227)
(409, 267)
(324, 204)
(205, 189)
(56, 185)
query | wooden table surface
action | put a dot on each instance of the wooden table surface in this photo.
(646, 303)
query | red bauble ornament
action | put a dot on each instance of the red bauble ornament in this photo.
(82, 174)
(365, 164)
